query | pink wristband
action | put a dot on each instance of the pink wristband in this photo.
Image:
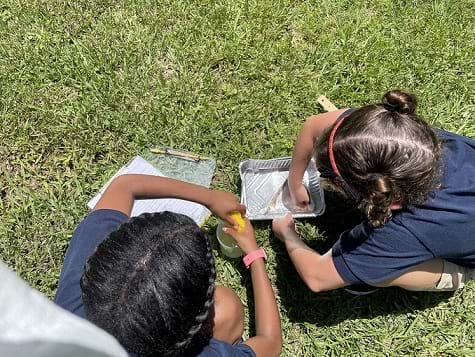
(252, 256)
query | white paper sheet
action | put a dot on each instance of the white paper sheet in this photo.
(139, 165)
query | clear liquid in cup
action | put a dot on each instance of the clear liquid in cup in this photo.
(227, 243)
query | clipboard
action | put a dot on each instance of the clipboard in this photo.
(167, 162)
(181, 165)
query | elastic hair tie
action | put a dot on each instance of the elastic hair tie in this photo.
(339, 180)
(391, 107)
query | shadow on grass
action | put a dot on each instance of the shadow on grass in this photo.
(329, 308)
(300, 304)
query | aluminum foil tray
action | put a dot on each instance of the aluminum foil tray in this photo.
(265, 193)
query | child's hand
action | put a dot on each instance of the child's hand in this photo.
(300, 196)
(284, 227)
(223, 204)
(246, 239)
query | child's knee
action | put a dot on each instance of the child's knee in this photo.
(228, 315)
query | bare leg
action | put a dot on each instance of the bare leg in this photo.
(228, 315)
(424, 276)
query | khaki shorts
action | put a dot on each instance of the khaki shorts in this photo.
(453, 277)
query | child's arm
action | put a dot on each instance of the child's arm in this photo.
(123, 190)
(268, 339)
(314, 127)
(317, 271)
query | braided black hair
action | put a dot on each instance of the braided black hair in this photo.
(151, 285)
(202, 317)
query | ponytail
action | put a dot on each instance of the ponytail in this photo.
(376, 205)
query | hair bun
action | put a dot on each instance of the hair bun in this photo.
(399, 101)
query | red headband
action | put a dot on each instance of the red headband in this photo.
(330, 146)
(339, 179)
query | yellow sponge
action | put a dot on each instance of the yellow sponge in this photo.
(236, 216)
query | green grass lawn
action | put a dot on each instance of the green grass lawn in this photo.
(85, 85)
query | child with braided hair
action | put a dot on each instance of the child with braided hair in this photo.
(150, 280)
(413, 183)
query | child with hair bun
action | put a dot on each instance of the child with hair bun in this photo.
(415, 185)
(150, 280)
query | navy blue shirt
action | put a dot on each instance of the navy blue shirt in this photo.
(88, 235)
(443, 227)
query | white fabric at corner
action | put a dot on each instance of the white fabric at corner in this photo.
(453, 277)
(32, 325)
